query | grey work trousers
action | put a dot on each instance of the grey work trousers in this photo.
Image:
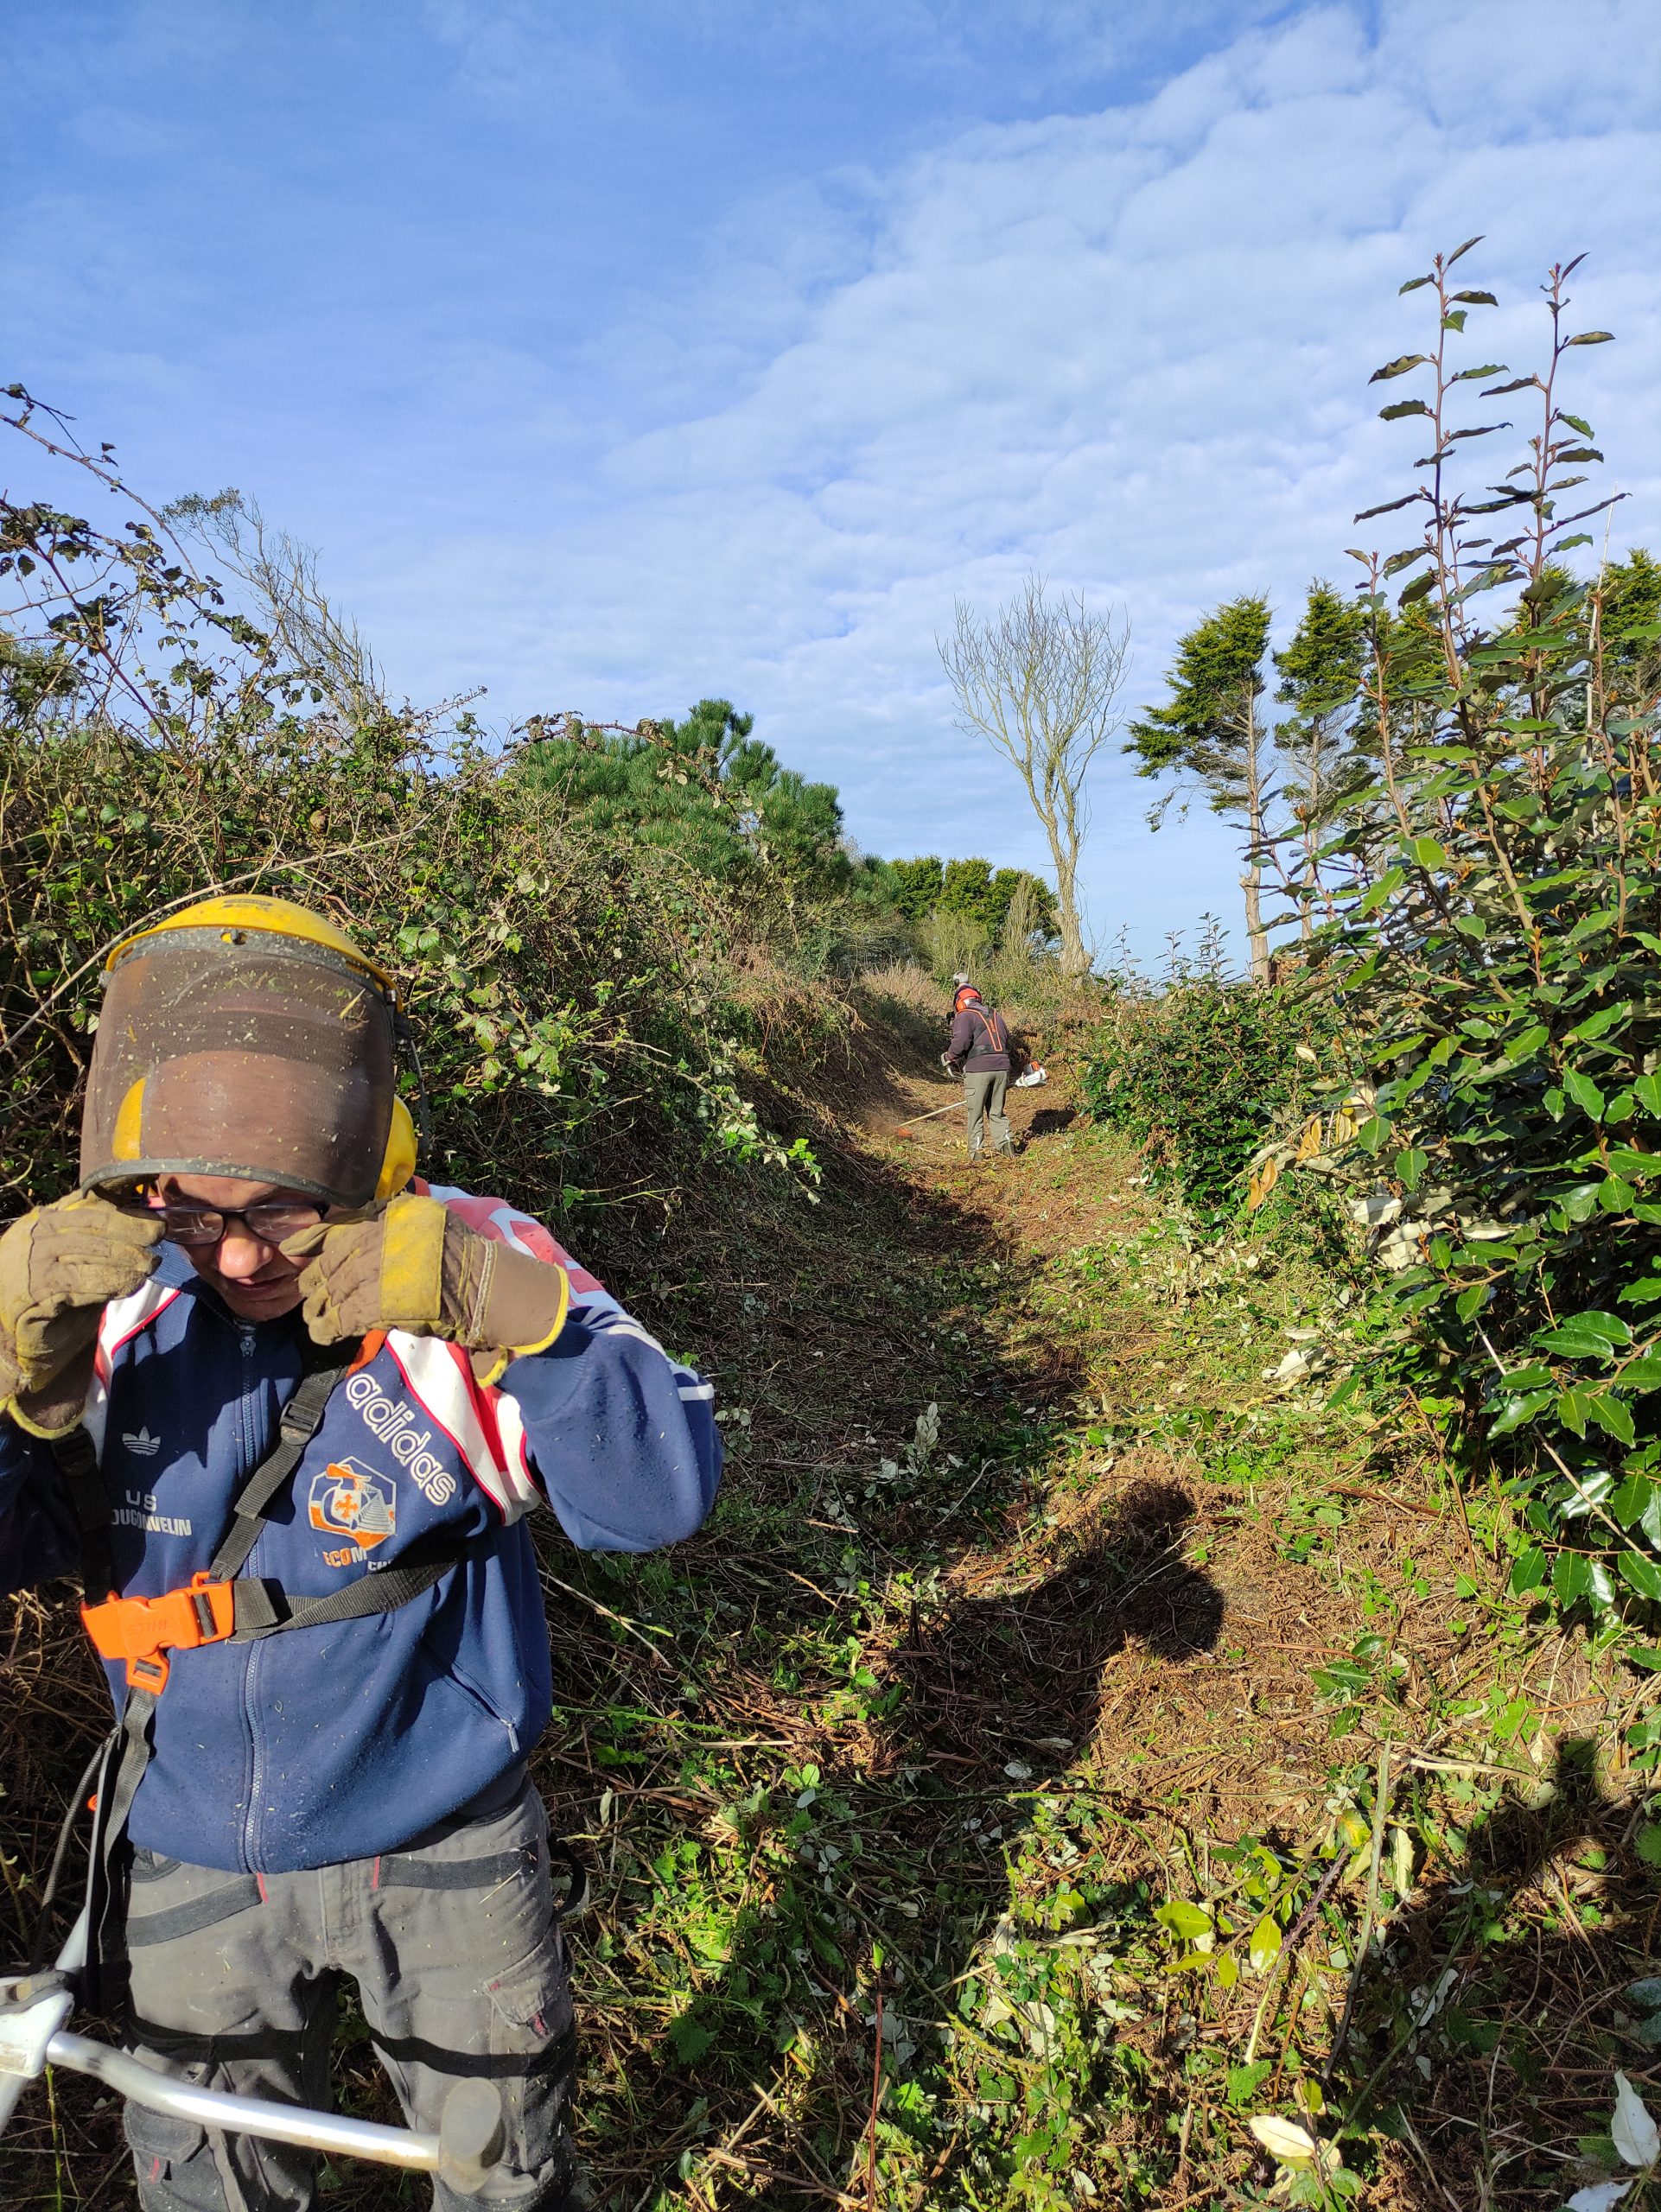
(455, 1949)
(983, 1092)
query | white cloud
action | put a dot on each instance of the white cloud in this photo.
(1129, 348)
(569, 413)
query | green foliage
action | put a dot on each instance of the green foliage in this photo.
(1321, 672)
(704, 789)
(1204, 730)
(976, 893)
(917, 886)
(1198, 1072)
(1500, 950)
(583, 1021)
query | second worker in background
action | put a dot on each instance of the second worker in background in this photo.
(979, 1051)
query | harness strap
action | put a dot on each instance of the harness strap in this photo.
(992, 1029)
(263, 1608)
(296, 1426)
(126, 1755)
(77, 1459)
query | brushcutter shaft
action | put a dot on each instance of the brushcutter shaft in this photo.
(33, 2037)
(954, 1107)
(319, 2131)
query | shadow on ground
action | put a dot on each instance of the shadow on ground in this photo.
(1494, 2011)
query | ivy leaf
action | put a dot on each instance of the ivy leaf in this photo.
(1264, 1945)
(1184, 1920)
(1571, 1576)
(1628, 1502)
(1598, 1024)
(1612, 1414)
(1528, 1571)
(1519, 1408)
(1571, 1411)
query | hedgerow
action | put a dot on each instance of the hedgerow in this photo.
(1197, 1073)
(585, 1021)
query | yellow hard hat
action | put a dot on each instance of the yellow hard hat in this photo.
(235, 912)
(248, 1037)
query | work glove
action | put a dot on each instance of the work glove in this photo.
(410, 1263)
(59, 1266)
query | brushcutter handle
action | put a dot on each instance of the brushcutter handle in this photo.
(32, 2008)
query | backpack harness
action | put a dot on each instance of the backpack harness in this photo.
(220, 1605)
(996, 1036)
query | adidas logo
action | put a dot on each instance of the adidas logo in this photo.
(143, 1442)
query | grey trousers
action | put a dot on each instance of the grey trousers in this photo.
(460, 1966)
(983, 1098)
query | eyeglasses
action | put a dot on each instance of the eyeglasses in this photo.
(270, 1220)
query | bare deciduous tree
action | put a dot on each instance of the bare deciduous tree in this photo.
(1038, 680)
(289, 600)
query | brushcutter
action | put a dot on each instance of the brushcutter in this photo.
(35, 2010)
(905, 1129)
(1030, 1081)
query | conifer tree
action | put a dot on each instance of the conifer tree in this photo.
(1212, 737)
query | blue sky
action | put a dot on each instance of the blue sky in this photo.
(611, 356)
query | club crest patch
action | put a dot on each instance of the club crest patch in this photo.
(348, 1500)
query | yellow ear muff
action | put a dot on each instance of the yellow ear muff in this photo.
(125, 1142)
(398, 1162)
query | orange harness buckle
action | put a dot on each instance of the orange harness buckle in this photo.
(142, 1630)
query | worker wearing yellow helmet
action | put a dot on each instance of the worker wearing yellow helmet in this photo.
(260, 1382)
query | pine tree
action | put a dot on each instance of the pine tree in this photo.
(1211, 736)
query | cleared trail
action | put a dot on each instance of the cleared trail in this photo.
(1007, 1630)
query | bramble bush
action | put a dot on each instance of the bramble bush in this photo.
(588, 1024)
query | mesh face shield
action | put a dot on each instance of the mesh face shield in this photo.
(240, 1053)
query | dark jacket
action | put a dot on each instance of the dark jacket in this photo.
(980, 1042)
(339, 1742)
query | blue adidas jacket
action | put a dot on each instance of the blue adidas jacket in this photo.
(337, 1742)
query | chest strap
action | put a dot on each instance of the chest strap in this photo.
(220, 1605)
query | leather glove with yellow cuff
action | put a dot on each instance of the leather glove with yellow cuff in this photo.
(59, 1268)
(412, 1264)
